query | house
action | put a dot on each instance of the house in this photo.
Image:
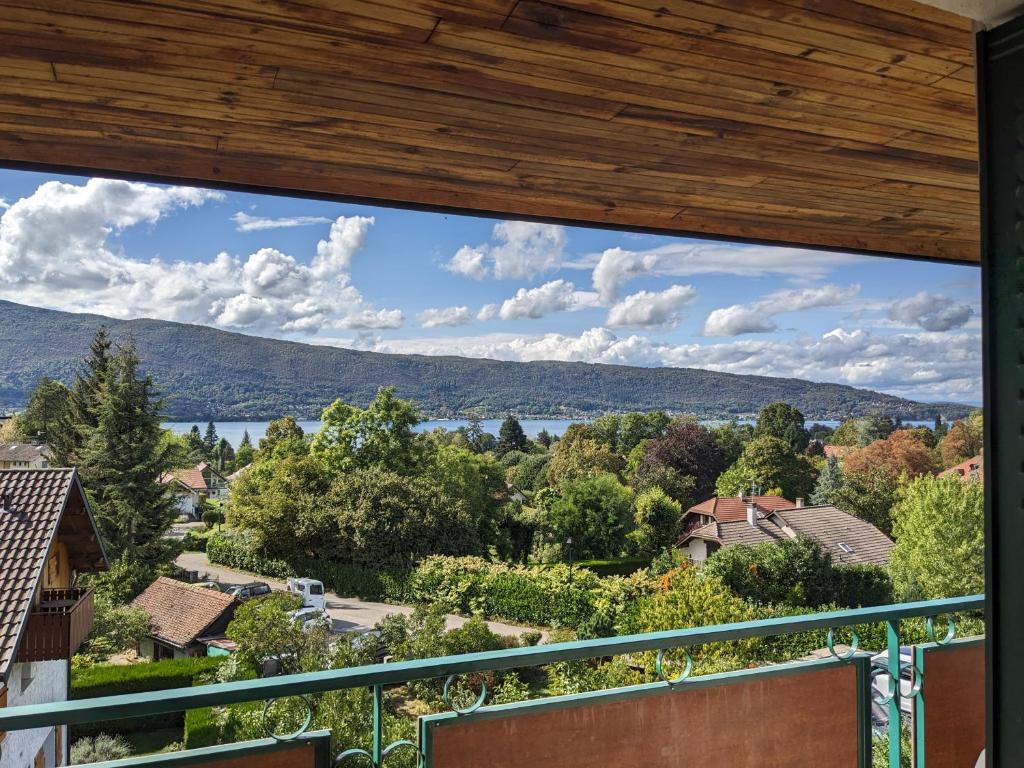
(972, 469)
(47, 539)
(191, 487)
(24, 456)
(725, 509)
(850, 540)
(181, 617)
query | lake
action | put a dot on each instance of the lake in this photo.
(233, 430)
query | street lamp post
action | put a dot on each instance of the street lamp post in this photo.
(568, 554)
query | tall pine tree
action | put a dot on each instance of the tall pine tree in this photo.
(122, 458)
(511, 437)
(245, 453)
(68, 444)
(210, 440)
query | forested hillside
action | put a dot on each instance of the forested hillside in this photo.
(208, 373)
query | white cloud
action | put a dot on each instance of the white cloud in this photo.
(469, 262)
(756, 317)
(615, 267)
(649, 309)
(4, 205)
(931, 312)
(56, 251)
(246, 223)
(553, 296)
(930, 366)
(519, 250)
(487, 312)
(447, 317)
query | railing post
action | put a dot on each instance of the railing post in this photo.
(378, 725)
(864, 696)
(892, 632)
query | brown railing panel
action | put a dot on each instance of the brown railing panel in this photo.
(58, 625)
(950, 712)
(800, 719)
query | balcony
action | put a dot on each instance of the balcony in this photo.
(788, 714)
(58, 625)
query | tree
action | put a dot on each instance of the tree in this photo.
(769, 463)
(284, 438)
(901, 453)
(634, 428)
(785, 422)
(84, 400)
(264, 629)
(577, 457)
(605, 429)
(245, 454)
(544, 438)
(595, 513)
(478, 440)
(940, 546)
(223, 456)
(829, 482)
(796, 572)
(477, 480)
(846, 433)
(123, 456)
(877, 426)
(194, 443)
(210, 439)
(732, 438)
(511, 437)
(381, 435)
(384, 518)
(868, 495)
(656, 517)
(963, 441)
(690, 450)
(47, 417)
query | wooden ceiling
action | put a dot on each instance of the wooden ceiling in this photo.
(840, 123)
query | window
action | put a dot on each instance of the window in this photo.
(846, 548)
(316, 589)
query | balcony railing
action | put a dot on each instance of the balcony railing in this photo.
(58, 625)
(795, 714)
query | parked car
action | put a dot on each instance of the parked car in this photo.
(250, 590)
(310, 590)
(208, 585)
(882, 686)
(312, 618)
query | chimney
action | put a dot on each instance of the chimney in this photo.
(740, 495)
(799, 501)
(752, 514)
(5, 502)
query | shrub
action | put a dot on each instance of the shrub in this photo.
(211, 516)
(99, 748)
(116, 679)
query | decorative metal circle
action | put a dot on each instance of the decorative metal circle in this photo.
(854, 645)
(895, 690)
(950, 631)
(420, 757)
(659, 667)
(350, 753)
(445, 695)
(288, 736)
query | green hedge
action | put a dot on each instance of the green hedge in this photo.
(116, 679)
(553, 595)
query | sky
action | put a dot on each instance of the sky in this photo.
(391, 280)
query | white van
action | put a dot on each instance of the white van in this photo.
(310, 590)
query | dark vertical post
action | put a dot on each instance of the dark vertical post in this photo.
(1000, 58)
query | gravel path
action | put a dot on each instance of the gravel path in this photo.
(349, 614)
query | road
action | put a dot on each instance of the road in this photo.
(348, 614)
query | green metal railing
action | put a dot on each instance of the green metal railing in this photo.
(377, 676)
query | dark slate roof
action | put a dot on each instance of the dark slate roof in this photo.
(180, 612)
(37, 498)
(23, 451)
(825, 524)
(831, 527)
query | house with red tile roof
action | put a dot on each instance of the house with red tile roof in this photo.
(191, 487)
(47, 540)
(181, 616)
(838, 451)
(972, 469)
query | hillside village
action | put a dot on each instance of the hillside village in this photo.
(628, 523)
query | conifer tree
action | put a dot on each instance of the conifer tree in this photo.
(122, 458)
(511, 437)
(829, 482)
(210, 440)
(68, 443)
(245, 453)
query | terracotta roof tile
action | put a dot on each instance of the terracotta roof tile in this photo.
(180, 612)
(972, 469)
(36, 500)
(727, 509)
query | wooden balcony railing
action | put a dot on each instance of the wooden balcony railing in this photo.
(58, 625)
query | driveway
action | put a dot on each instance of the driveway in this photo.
(348, 614)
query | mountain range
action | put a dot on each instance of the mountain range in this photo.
(207, 373)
